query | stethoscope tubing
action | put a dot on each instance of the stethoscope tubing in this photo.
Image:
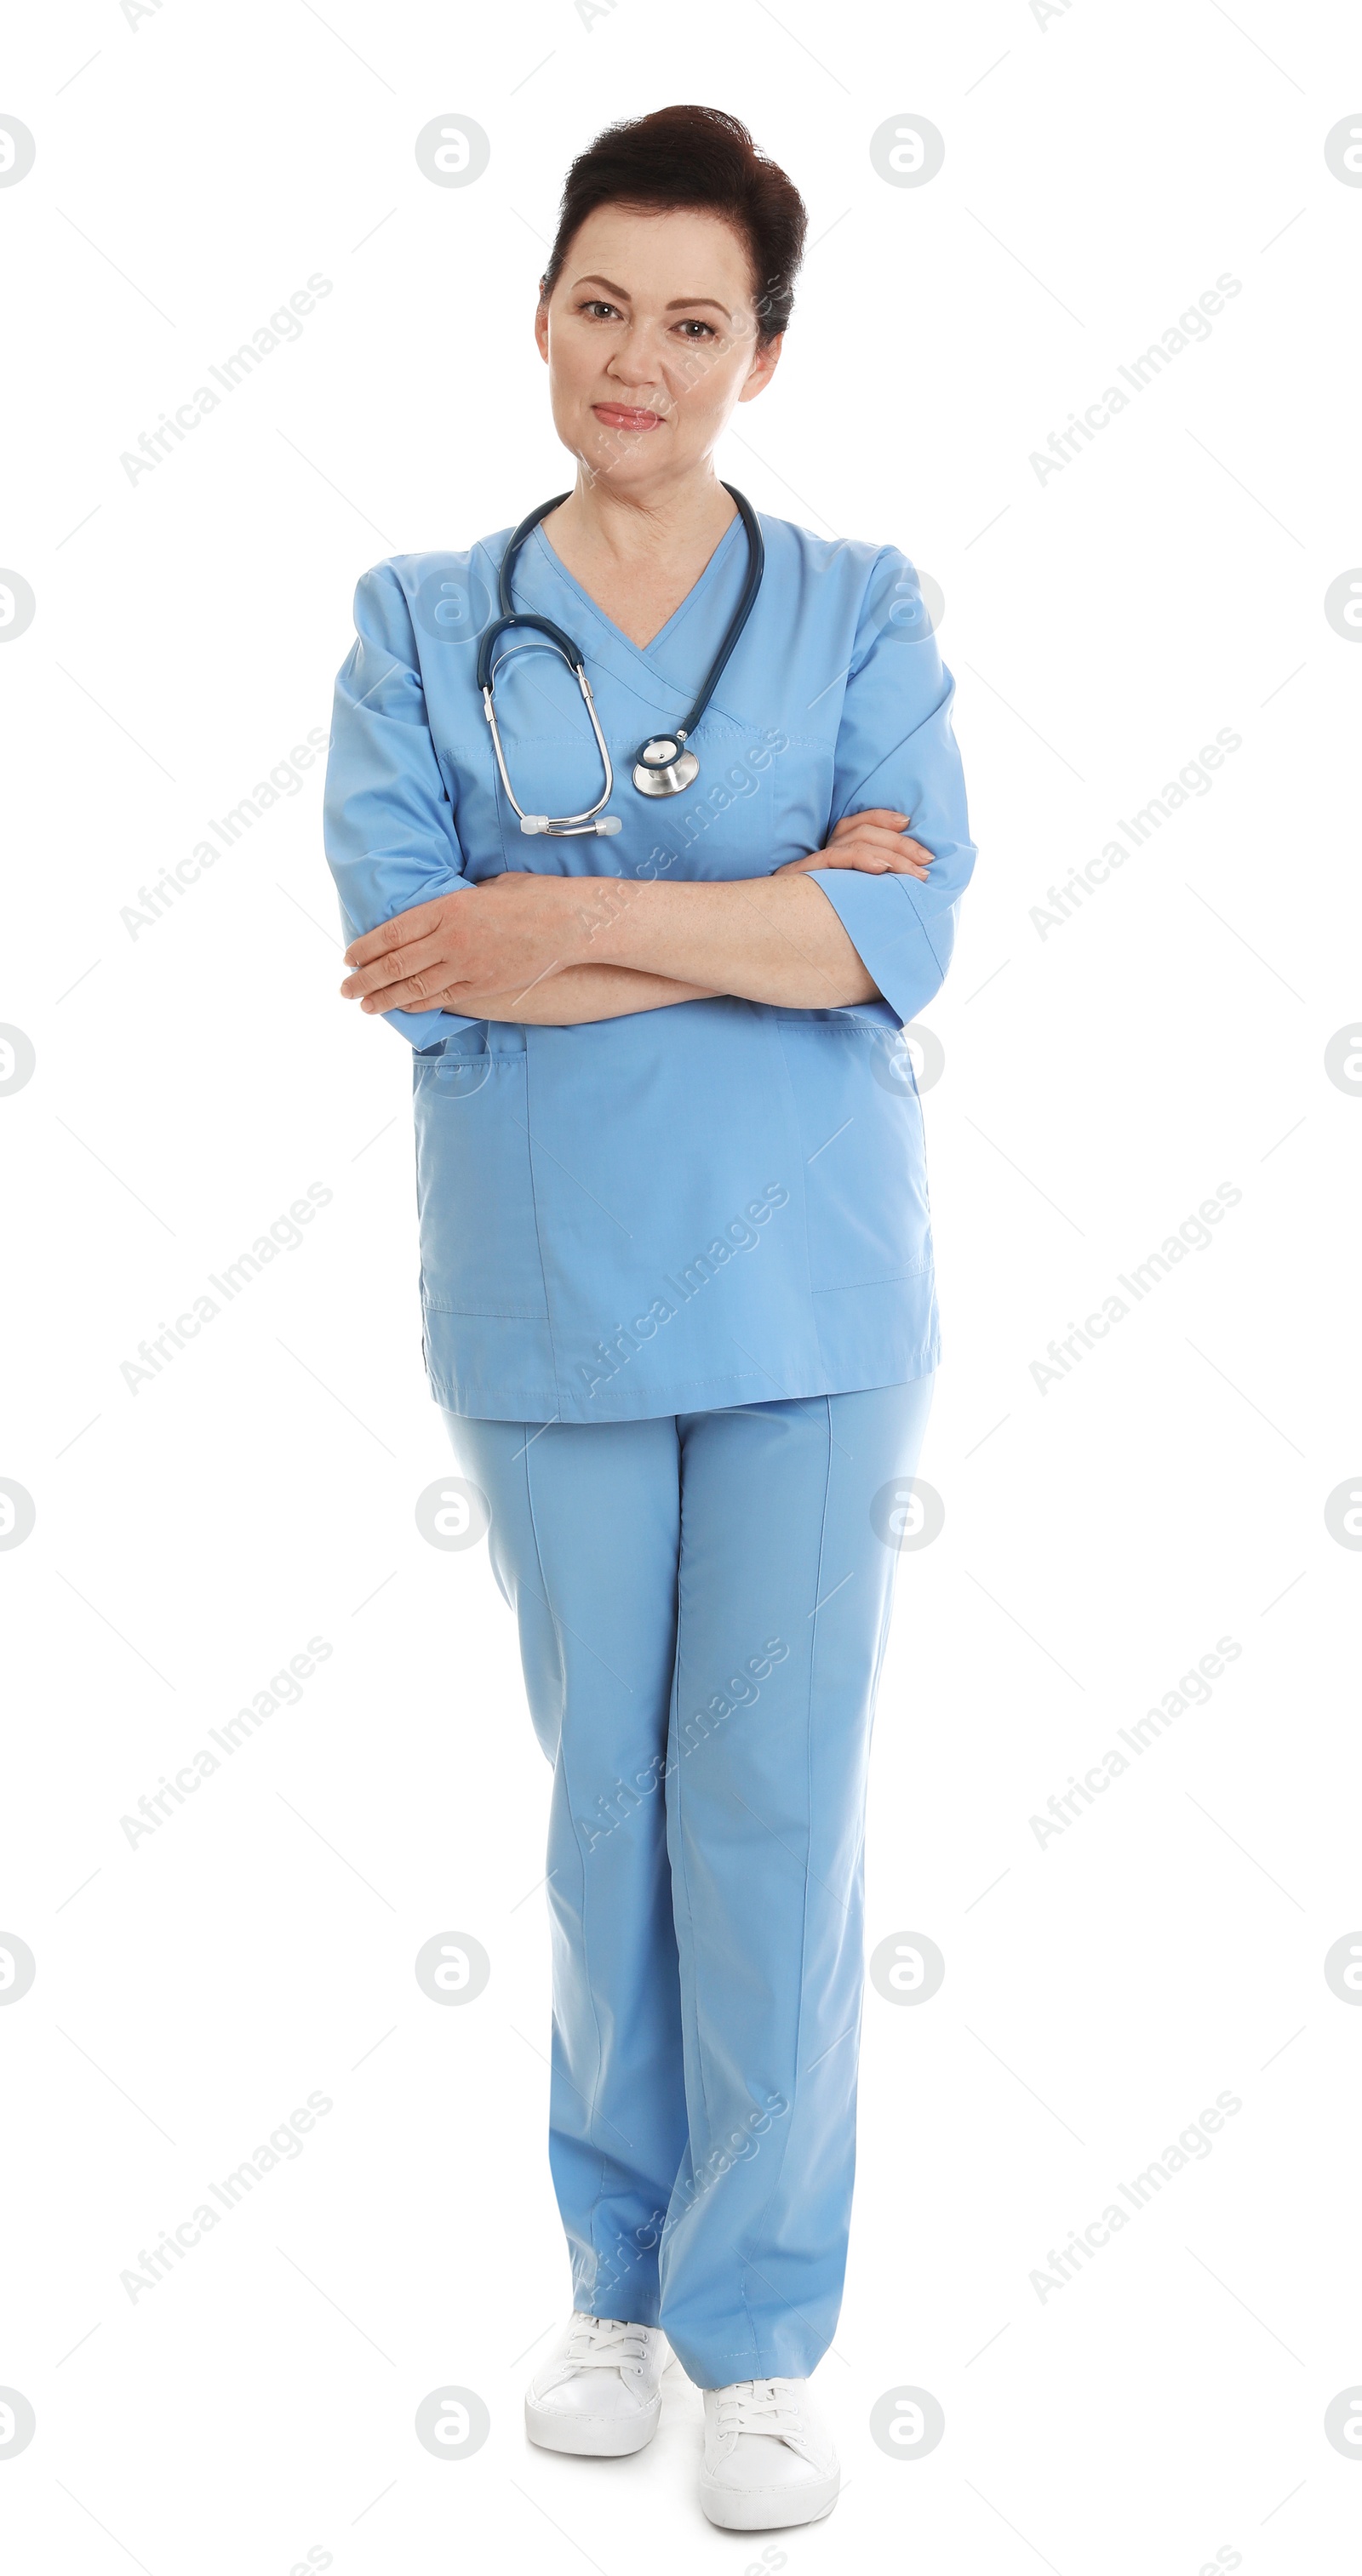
(565, 825)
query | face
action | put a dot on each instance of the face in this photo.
(650, 336)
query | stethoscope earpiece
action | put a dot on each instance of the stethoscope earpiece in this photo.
(542, 823)
(663, 767)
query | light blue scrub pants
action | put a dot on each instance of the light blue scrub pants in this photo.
(703, 1603)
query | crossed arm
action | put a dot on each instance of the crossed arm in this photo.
(556, 951)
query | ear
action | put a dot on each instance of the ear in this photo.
(541, 328)
(765, 361)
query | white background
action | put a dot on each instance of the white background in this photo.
(1101, 171)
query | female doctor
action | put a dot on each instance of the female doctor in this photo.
(632, 875)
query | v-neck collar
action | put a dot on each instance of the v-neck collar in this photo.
(641, 652)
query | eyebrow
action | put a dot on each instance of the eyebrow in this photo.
(678, 304)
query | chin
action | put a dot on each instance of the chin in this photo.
(612, 460)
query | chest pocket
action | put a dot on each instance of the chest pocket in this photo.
(474, 1190)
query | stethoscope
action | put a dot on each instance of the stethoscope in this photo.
(663, 767)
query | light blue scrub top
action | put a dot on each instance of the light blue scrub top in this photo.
(719, 1203)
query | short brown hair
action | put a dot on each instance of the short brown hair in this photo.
(693, 156)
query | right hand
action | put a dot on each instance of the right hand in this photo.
(875, 842)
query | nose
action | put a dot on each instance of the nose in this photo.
(633, 364)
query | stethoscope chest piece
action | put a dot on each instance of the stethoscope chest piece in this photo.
(663, 768)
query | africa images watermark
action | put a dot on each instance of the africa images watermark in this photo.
(739, 1235)
(285, 1689)
(605, 900)
(285, 780)
(738, 2148)
(1066, 445)
(285, 1235)
(741, 779)
(158, 445)
(1193, 2143)
(1193, 1689)
(1193, 779)
(284, 2145)
(1193, 1235)
(620, 1805)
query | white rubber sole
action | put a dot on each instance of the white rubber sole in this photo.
(592, 2437)
(769, 2508)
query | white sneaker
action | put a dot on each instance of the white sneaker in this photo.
(600, 2392)
(769, 2461)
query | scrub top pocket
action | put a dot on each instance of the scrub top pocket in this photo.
(860, 1122)
(474, 1189)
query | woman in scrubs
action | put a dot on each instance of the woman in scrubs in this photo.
(677, 1272)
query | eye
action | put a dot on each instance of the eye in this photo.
(698, 328)
(596, 306)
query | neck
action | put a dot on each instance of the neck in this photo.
(633, 527)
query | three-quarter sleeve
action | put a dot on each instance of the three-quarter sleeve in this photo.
(387, 822)
(896, 748)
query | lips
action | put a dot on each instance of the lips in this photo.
(623, 416)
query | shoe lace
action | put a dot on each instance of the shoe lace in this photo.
(605, 2343)
(762, 2406)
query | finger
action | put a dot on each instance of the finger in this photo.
(870, 858)
(378, 978)
(428, 957)
(879, 854)
(910, 859)
(415, 987)
(885, 844)
(867, 864)
(416, 993)
(397, 933)
(886, 815)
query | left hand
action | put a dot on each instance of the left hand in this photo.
(876, 842)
